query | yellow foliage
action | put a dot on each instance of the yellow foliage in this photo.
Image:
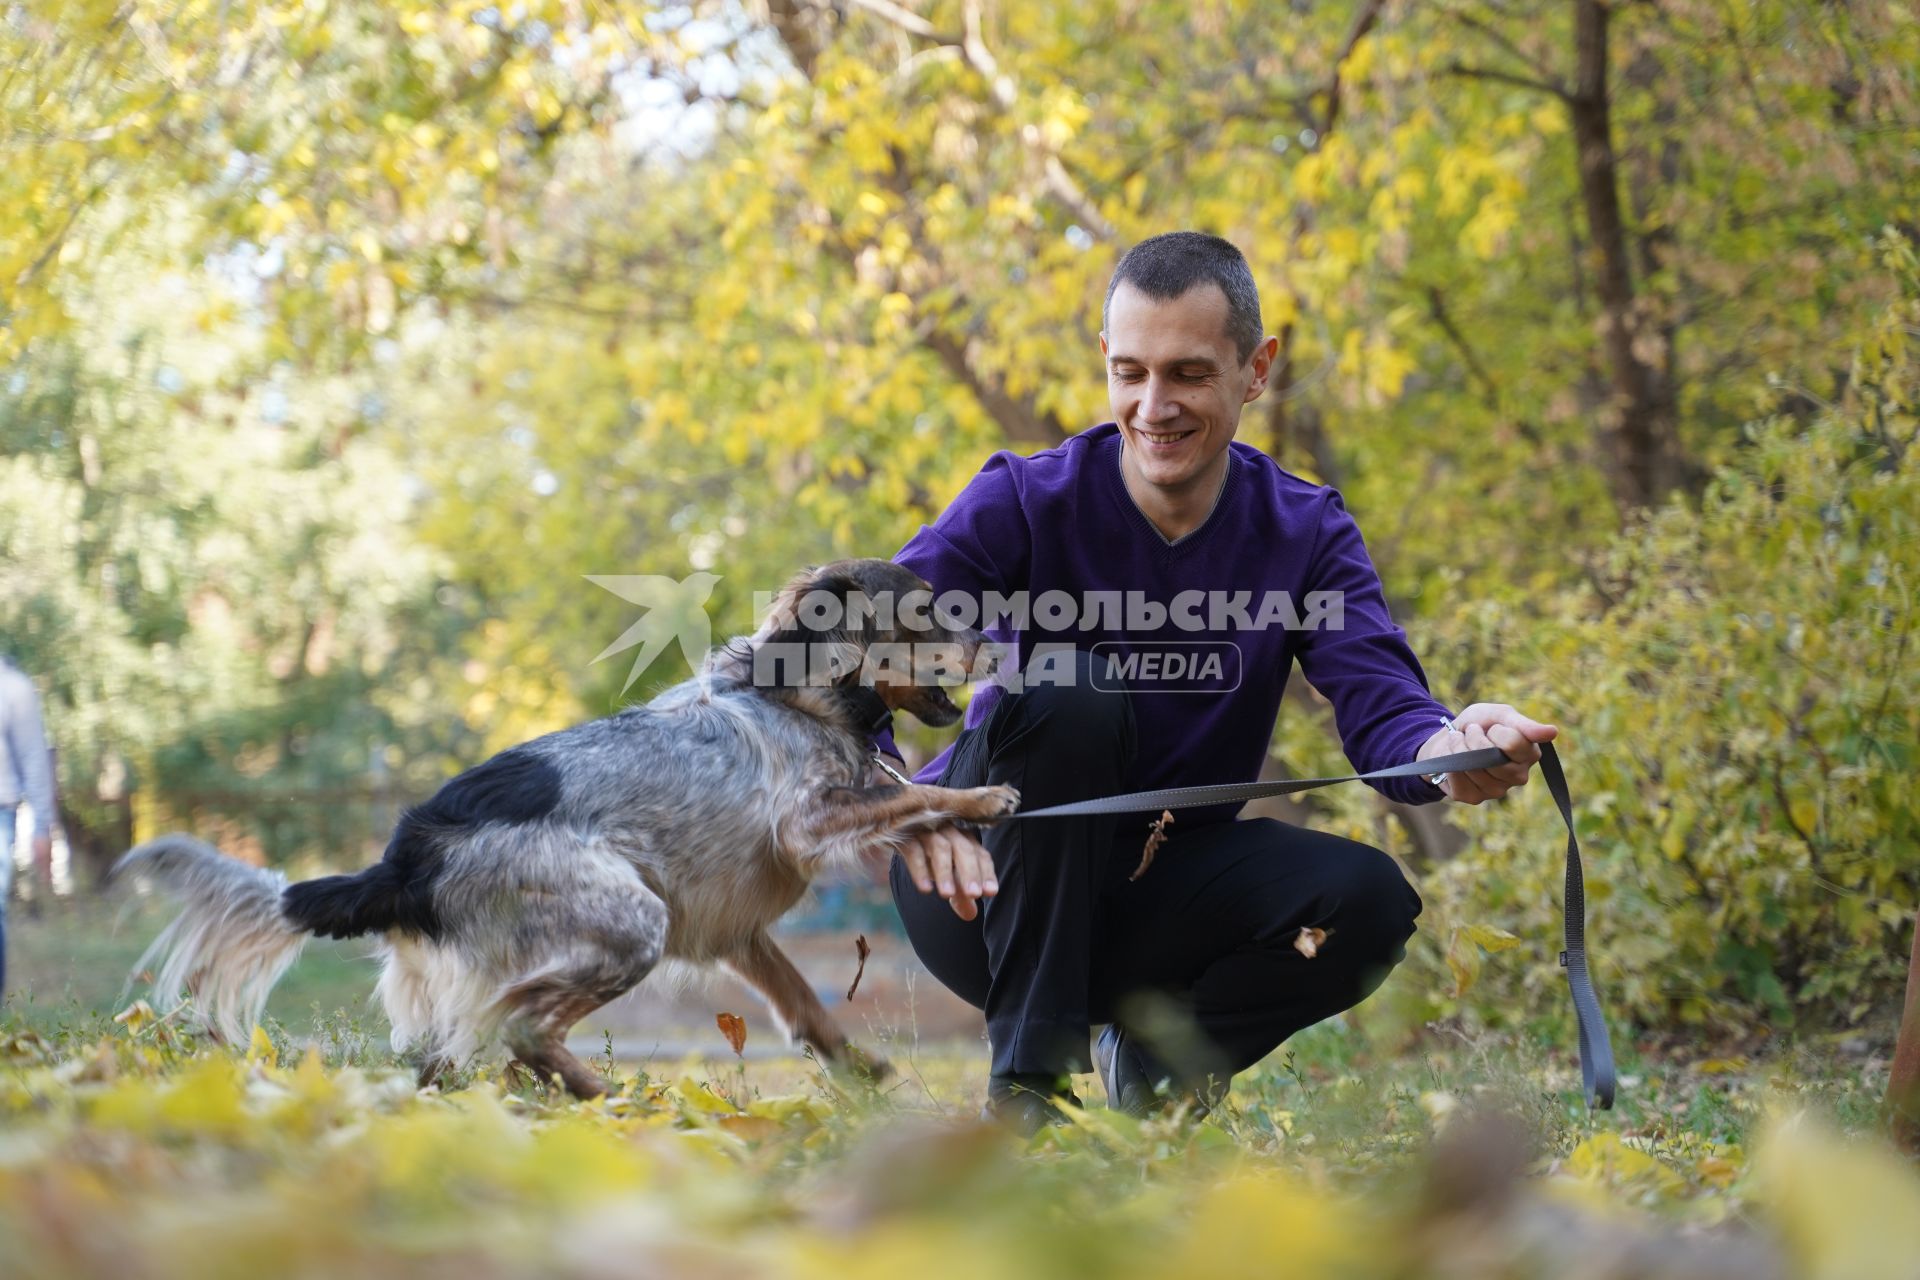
(1848, 1211)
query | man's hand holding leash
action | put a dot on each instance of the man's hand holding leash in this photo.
(1488, 724)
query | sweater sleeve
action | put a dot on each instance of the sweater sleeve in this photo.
(27, 745)
(1363, 665)
(980, 543)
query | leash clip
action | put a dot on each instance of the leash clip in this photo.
(892, 772)
(1439, 779)
(1563, 959)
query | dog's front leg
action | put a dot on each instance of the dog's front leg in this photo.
(867, 815)
(763, 966)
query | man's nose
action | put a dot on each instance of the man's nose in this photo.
(1156, 405)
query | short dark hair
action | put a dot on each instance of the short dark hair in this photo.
(1166, 266)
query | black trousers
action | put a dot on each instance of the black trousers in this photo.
(1196, 957)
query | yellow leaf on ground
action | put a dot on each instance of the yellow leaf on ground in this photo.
(260, 1050)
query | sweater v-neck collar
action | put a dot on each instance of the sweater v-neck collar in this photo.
(1228, 482)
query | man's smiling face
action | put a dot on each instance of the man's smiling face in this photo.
(1176, 382)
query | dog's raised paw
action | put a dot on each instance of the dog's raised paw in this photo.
(993, 802)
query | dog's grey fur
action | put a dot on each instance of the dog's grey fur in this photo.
(682, 829)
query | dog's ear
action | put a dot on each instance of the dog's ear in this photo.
(834, 583)
(832, 654)
(785, 621)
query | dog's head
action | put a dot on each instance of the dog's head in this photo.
(871, 624)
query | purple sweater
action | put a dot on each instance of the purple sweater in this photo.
(1206, 681)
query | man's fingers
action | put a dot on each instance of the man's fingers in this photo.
(979, 875)
(1492, 713)
(1462, 788)
(940, 861)
(1465, 787)
(914, 851)
(1520, 751)
(972, 873)
(953, 864)
(1491, 785)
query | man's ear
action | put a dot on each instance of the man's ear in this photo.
(1262, 367)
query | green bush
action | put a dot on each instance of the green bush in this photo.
(1734, 687)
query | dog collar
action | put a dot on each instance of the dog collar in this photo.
(869, 713)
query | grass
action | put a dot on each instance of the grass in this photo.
(137, 1146)
(75, 957)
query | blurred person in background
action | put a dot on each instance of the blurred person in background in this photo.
(26, 774)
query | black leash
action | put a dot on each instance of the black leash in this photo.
(1596, 1050)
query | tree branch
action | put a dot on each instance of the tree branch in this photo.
(1500, 38)
(908, 21)
(1507, 77)
(1437, 308)
(1363, 22)
(1283, 384)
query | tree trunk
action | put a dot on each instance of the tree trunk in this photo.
(1903, 1083)
(1018, 416)
(1642, 445)
(93, 848)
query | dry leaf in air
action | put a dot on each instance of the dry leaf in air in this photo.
(1309, 942)
(734, 1028)
(1156, 836)
(863, 950)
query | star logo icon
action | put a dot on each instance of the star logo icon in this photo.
(674, 610)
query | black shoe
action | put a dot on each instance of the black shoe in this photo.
(1025, 1103)
(1129, 1087)
(1136, 1082)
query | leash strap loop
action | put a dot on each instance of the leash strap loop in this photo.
(1596, 1049)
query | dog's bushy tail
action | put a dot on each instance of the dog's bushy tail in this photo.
(231, 940)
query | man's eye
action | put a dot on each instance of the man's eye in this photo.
(1126, 375)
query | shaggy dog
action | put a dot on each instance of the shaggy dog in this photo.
(536, 887)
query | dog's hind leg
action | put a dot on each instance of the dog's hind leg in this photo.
(436, 999)
(762, 965)
(597, 946)
(536, 1032)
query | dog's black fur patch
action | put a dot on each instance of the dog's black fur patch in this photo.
(384, 896)
(514, 787)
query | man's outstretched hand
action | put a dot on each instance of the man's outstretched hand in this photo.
(954, 864)
(948, 861)
(1489, 724)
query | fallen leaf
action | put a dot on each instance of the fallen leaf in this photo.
(1156, 836)
(863, 950)
(734, 1028)
(1464, 952)
(751, 1128)
(135, 1016)
(1494, 940)
(1309, 941)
